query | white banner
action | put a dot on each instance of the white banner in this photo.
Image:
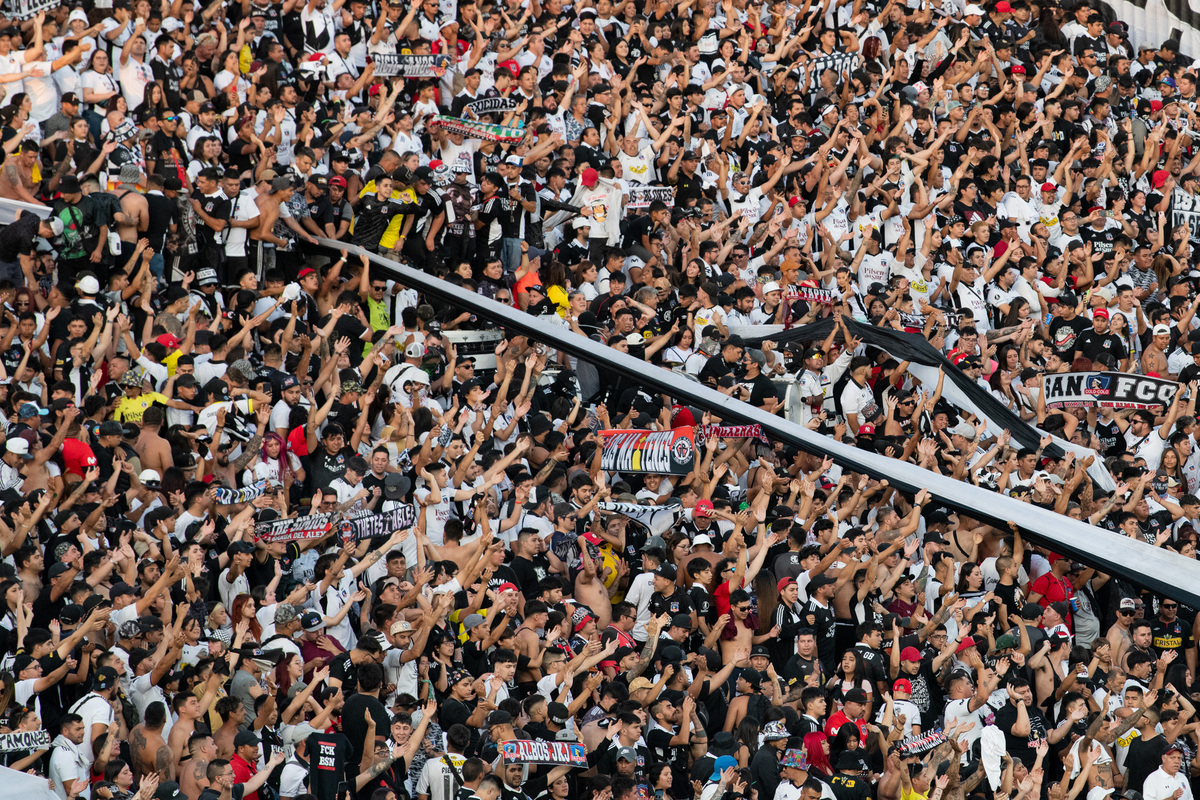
(1152, 22)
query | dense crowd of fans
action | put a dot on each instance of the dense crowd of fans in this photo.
(199, 399)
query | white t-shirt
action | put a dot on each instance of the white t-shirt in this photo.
(436, 515)
(135, 77)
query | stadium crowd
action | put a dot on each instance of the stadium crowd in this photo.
(267, 534)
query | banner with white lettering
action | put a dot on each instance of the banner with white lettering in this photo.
(659, 452)
(1107, 390)
(28, 9)
(841, 62)
(530, 751)
(24, 741)
(918, 320)
(433, 65)
(643, 196)
(493, 105)
(368, 525)
(294, 529)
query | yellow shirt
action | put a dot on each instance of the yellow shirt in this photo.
(558, 296)
(130, 409)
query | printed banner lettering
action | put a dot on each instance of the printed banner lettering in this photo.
(918, 320)
(1189, 218)
(837, 61)
(227, 496)
(1107, 390)
(410, 66)
(660, 452)
(493, 105)
(24, 740)
(811, 294)
(657, 519)
(28, 9)
(366, 525)
(294, 529)
(643, 196)
(731, 432)
(479, 130)
(528, 751)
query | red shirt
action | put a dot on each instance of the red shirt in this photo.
(1053, 590)
(838, 720)
(78, 456)
(242, 772)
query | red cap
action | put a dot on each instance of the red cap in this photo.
(1159, 178)
(784, 583)
(437, 162)
(902, 684)
(866, 430)
(1003, 8)
(338, 180)
(968, 641)
(703, 508)
(1100, 312)
(589, 177)
(910, 654)
(958, 358)
(591, 538)
(793, 201)
(511, 66)
(507, 586)
(1094, 209)
(304, 273)
(1048, 187)
(1155, 105)
(1053, 557)
(375, 89)
(168, 340)
(682, 417)
(1018, 69)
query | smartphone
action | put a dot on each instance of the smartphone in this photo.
(343, 791)
(255, 66)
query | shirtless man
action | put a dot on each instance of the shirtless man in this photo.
(591, 591)
(187, 709)
(136, 211)
(232, 714)
(16, 177)
(34, 470)
(744, 625)
(193, 774)
(268, 214)
(153, 450)
(148, 749)
(1154, 357)
(1119, 638)
(527, 642)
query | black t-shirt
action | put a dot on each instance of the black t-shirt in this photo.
(349, 326)
(820, 620)
(354, 721)
(1092, 344)
(1022, 747)
(1065, 333)
(216, 206)
(326, 762)
(326, 467)
(168, 154)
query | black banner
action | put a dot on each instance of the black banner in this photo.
(292, 529)
(493, 105)
(1107, 390)
(366, 525)
(410, 66)
(913, 347)
(838, 61)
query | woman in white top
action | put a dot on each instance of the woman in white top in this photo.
(681, 349)
(584, 279)
(99, 87)
(206, 153)
(230, 81)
